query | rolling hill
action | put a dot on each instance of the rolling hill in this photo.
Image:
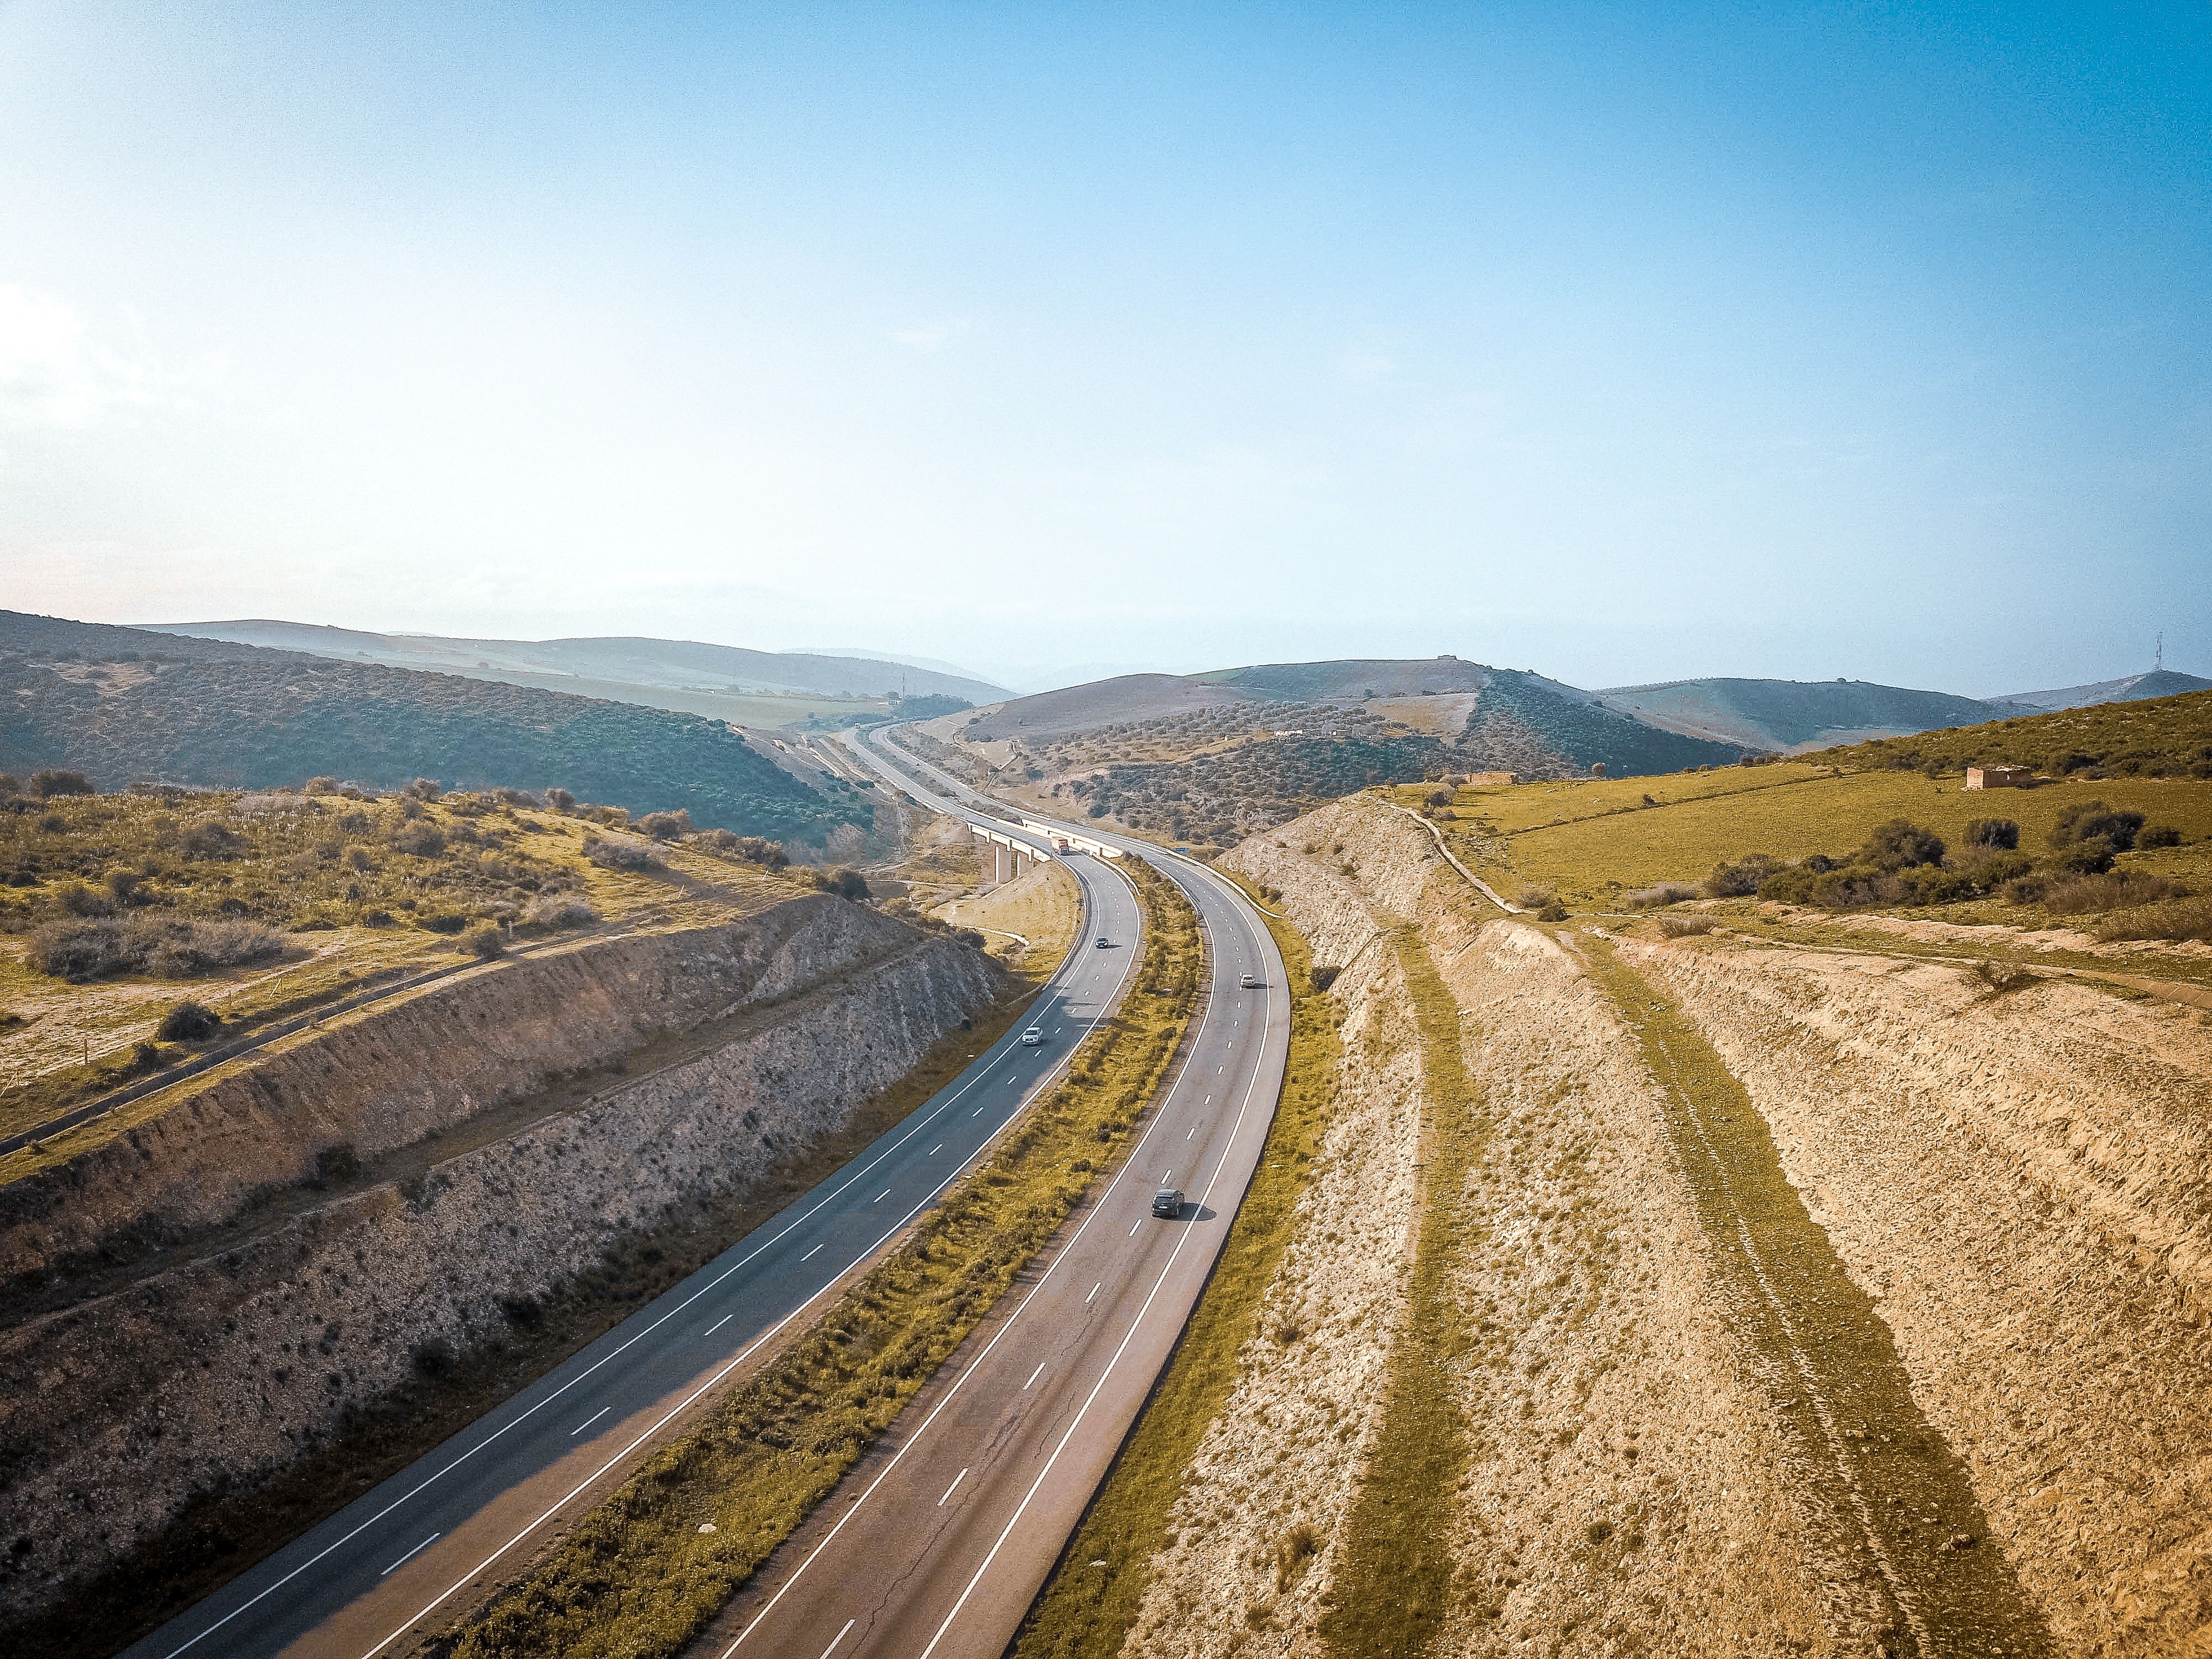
(122, 705)
(1788, 715)
(647, 669)
(2132, 687)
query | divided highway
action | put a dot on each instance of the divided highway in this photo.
(389, 1565)
(937, 1543)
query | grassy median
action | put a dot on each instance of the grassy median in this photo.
(638, 1577)
(1085, 1612)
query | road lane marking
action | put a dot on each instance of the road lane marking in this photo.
(954, 1487)
(711, 1382)
(816, 1251)
(1034, 1375)
(1184, 1235)
(719, 1323)
(411, 1555)
(1141, 1222)
(1095, 1289)
(881, 1196)
(588, 1421)
(935, 1150)
(1193, 1130)
(838, 1638)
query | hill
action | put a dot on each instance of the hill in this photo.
(688, 675)
(2160, 737)
(2132, 687)
(1788, 715)
(122, 704)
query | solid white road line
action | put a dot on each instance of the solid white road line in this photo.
(1184, 1235)
(954, 1487)
(588, 1421)
(975, 1365)
(719, 1323)
(607, 1358)
(689, 1400)
(411, 1555)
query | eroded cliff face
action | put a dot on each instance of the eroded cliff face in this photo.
(2020, 1182)
(398, 1071)
(218, 1371)
(1624, 1478)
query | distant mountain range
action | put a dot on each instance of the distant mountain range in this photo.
(648, 665)
(2133, 688)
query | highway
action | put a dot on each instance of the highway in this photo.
(397, 1562)
(937, 1542)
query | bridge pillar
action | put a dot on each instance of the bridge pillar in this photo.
(1002, 862)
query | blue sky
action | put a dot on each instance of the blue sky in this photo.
(1806, 341)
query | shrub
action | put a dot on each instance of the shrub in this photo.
(424, 841)
(2083, 895)
(424, 789)
(1742, 878)
(1993, 832)
(444, 922)
(164, 948)
(2160, 835)
(1535, 897)
(845, 883)
(123, 885)
(188, 1021)
(2092, 820)
(1685, 926)
(560, 801)
(1666, 892)
(1440, 797)
(2174, 919)
(623, 852)
(2092, 857)
(48, 785)
(78, 899)
(2001, 976)
(666, 826)
(561, 910)
(1902, 844)
(484, 942)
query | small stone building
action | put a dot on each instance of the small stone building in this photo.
(1998, 777)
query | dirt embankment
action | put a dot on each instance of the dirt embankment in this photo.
(216, 1373)
(1624, 1479)
(395, 1072)
(2019, 1181)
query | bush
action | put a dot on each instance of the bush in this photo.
(1902, 844)
(845, 883)
(623, 852)
(2092, 820)
(1742, 878)
(1685, 926)
(2084, 894)
(188, 1021)
(560, 801)
(48, 785)
(424, 789)
(1666, 892)
(666, 826)
(2003, 833)
(1999, 977)
(2158, 834)
(484, 942)
(424, 841)
(561, 910)
(164, 948)
(2092, 857)
(78, 899)
(2174, 919)
(1440, 797)
(1535, 897)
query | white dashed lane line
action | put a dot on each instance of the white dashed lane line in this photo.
(816, 1251)
(1034, 1375)
(588, 1421)
(954, 1487)
(719, 1323)
(411, 1555)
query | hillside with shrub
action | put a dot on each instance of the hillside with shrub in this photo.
(121, 706)
(2157, 738)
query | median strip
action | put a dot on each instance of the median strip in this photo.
(637, 1578)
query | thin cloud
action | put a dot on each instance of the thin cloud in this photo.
(934, 336)
(54, 372)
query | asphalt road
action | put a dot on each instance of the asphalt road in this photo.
(398, 1560)
(937, 1544)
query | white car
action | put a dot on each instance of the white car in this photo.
(1251, 981)
(1034, 1037)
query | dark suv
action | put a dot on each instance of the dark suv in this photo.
(1167, 1203)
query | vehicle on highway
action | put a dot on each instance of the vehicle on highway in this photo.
(1251, 981)
(1034, 1037)
(1167, 1203)
(1104, 942)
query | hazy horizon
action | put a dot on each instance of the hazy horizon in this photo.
(1620, 346)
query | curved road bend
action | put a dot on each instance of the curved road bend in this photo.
(396, 1561)
(937, 1542)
